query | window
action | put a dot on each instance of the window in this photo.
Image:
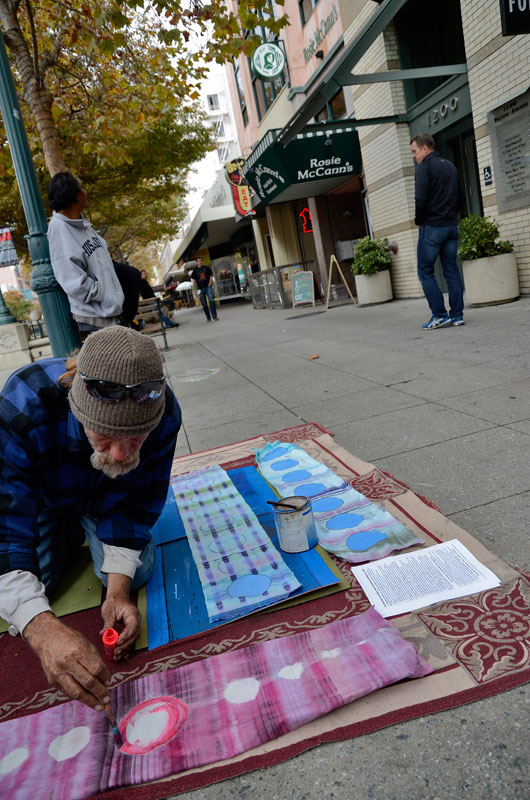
(427, 42)
(241, 93)
(213, 102)
(306, 9)
(265, 92)
(334, 109)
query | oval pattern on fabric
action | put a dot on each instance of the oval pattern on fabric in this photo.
(364, 541)
(343, 521)
(310, 489)
(249, 586)
(296, 475)
(285, 463)
(327, 504)
(275, 453)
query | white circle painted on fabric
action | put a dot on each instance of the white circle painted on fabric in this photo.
(13, 760)
(292, 672)
(243, 690)
(69, 744)
(147, 725)
(330, 653)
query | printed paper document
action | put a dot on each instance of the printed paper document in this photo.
(398, 584)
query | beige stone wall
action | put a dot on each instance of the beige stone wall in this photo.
(387, 163)
(498, 67)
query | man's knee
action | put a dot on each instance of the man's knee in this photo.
(146, 569)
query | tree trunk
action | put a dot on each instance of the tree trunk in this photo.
(36, 95)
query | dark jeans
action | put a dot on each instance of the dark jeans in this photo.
(206, 296)
(60, 540)
(433, 242)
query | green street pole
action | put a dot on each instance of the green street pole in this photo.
(5, 316)
(62, 331)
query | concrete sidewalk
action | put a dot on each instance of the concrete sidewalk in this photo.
(446, 411)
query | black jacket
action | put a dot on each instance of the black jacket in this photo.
(439, 192)
(130, 280)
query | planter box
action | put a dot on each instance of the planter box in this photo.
(372, 289)
(491, 280)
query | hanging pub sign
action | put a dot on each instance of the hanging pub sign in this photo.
(8, 255)
(515, 17)
(268, 61)
(239, 186)
(273, 169)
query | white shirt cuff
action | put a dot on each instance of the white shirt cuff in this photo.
(120, 560)
(22, 597)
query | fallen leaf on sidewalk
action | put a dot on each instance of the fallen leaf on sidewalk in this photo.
(310, 358)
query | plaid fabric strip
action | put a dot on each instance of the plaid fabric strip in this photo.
(347, 523)
(235, 701)
(239, 568)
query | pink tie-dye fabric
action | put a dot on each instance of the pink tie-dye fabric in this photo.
(235, 701)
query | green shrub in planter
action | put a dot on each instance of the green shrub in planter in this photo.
(477, 239)
(18, 306)
(371, 256)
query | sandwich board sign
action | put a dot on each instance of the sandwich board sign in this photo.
(303, 288)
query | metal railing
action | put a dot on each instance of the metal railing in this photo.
(37, 330)
(266, 287)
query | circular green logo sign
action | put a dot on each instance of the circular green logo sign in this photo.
(268, 61)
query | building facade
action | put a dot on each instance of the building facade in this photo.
(327, 142)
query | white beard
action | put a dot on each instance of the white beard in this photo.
(111, 467)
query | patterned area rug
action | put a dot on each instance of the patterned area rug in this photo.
(477, 646)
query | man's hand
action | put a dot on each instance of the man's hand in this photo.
(70, 662)
(119, 613)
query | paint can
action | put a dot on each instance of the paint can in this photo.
(295, 526)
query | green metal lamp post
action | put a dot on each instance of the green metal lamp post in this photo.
(62, 331)
(5, 316)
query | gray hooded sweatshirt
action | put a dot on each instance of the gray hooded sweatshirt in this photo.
(83, 267)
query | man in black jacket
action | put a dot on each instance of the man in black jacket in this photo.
(439, 199)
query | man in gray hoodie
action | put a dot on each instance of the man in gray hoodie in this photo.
(80, 258)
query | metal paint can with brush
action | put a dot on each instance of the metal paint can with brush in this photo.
(294, 523)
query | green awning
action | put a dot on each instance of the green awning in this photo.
(312, 164)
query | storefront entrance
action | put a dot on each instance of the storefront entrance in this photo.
(457, 143)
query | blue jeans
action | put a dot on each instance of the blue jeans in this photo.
(433, 242)
(60, 542)
(206, 296)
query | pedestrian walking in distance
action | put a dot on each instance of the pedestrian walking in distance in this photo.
(202, 277)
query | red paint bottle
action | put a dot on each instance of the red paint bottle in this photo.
(110, 640)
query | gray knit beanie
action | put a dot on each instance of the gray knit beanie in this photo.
(125, 356)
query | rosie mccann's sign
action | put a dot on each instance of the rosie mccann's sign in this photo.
(320, 33)
(302, 160)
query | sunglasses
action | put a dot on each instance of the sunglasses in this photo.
(111, 392)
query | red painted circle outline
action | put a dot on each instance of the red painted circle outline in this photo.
(178, 714)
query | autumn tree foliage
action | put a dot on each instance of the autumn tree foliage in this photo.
(108, 91)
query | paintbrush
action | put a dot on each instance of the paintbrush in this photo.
(114, 725)
(281, 503)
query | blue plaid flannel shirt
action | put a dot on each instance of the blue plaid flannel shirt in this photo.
(45, 464)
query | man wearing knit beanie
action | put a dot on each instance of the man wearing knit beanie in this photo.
(86, 448)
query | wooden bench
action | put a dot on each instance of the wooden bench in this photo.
(150, 313)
